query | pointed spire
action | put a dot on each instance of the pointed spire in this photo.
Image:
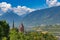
(13, 24)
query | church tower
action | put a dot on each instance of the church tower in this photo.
(13, 24)
(21, 28)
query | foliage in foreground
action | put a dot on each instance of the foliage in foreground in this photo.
(4, 30)
(14, 34)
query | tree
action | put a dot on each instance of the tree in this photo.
(13, 34)
(4, 28)
(48, 36)
(0, 33)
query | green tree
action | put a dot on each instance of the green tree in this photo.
(13, 34)
(21, 36)
(0, 33)
(4, 28)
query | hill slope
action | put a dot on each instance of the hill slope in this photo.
(10, 16)
(45, 16)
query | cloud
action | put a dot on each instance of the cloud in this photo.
(58, 4)
(52, 3)
(20, 10)
(5, 6)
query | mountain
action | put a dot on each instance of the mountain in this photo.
(10, 16)
(45, 16)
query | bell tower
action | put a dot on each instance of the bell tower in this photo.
(21, 28)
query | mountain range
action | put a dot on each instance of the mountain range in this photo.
(10, 16)
(48, 16)
(45, 16)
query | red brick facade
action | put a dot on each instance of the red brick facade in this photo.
(21, 28)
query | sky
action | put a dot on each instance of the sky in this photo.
(21, 7)
(28, 3)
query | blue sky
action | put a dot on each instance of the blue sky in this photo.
(23, 6)
(28, 3)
